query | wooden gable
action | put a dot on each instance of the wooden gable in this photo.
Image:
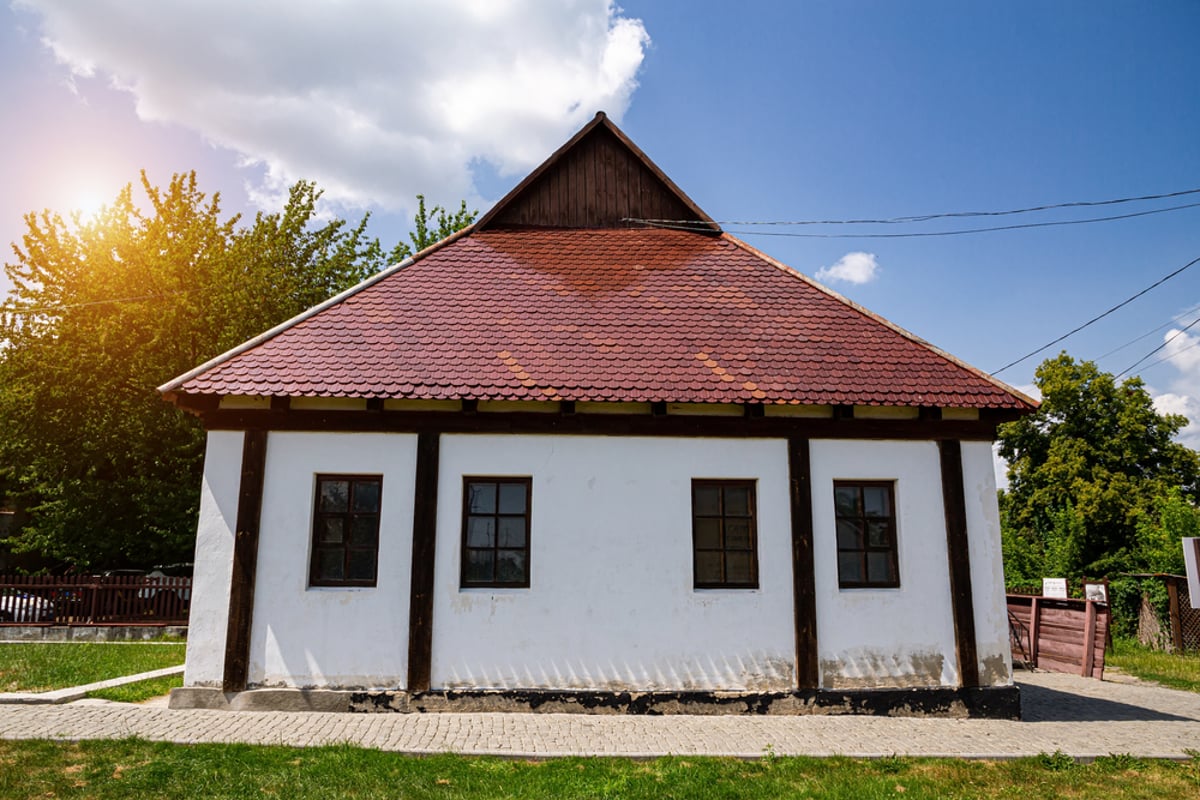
(598, 179)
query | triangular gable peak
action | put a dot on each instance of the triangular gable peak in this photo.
(598, 179)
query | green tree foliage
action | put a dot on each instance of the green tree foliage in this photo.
(107, 309)
(430, 227)
(1096, 483)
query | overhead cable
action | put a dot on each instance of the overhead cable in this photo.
(1166, 342)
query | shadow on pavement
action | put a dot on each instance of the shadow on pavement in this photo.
(1039, 704)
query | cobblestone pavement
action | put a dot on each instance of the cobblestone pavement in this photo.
(1082, 717)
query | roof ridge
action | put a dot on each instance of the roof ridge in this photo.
(880, 319)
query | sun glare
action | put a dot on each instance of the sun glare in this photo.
(87, 201)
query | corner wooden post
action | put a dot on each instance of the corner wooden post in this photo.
(424, 541)
(245, 561)
(1089, 639)
(1176, 617)
(1035, 618)
(804, 591)
(961, 598)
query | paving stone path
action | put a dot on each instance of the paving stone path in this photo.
(1081, 717)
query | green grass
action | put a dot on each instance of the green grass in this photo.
(39, 667)
(1179, 671)
(140, 691)
(137, 768)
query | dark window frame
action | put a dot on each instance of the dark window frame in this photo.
(348, 545)
(722, 516)
(892, 548)
(463, 581)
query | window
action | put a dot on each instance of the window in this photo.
(866, 534)
(345, 530)
(496, 531)
(724, 539)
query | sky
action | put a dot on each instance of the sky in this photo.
(760, 111)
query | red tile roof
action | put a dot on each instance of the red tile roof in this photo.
(608, 314)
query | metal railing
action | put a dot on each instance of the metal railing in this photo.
(94, 600)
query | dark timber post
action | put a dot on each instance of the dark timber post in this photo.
(804, 591)
(961, 597)
(424, 539)
(245, 561)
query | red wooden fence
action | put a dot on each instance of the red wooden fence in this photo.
(94, 600)
(1059, 635)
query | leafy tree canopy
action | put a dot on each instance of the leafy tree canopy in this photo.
(1094, 477)
(107, 309)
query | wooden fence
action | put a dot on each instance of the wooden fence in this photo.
(94, 600)
(1059, 635)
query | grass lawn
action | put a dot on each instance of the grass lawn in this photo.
(1169, 669)
(39, 667)
(137, 768)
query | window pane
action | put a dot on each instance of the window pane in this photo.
(878, 534)
(362, 565)
(512, 498)
(480, 566)
(481, 497)
(708, 533)
(737, 501)
(512, 531)
(366, 496)
(849, 535)
(329, 565)
(879, 568)
(850, 568)
(737, 534)
(364, 531)
(334, 495)
(875, 500)
(739, 568)
(708, 568)
(845, 498)
(706, 500)
(481, 532)
(510, 566)
(331, 530)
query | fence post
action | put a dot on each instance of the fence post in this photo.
(1176, 622)
(1034, 612)
(1089, 640)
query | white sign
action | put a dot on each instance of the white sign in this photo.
(1096, 591)
(1054, 587)
(1191, 557)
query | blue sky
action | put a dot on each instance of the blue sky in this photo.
(759, 111)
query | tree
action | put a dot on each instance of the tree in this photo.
(423, 235)
(1087, 471)
(107, 309)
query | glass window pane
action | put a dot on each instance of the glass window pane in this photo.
(850, 568)
(512, 498)
(335, 495)
(362, 565)
(708, 533)
(875, 500)
(510, 566)
(879, 568)
(481, 497)
(739, 568)
(366, 496)
(364, 531)
(708, 567)
(512, 531)
(481, 532)
(878, 533)
(849, 535)
(845, 498)
(329, 565)
(737, 534)
(331, 530)
(706, 500)
(737, 501)
(480, 565)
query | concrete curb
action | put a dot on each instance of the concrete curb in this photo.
(78, 692)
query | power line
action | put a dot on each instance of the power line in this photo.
(1169, 339)
(1183, 349)
(1097, 318)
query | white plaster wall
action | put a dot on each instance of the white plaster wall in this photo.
(869, 638)
(987, 565)
(209, 614)
(331, 636)
(611, 603)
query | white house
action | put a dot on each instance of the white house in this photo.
(578, 458)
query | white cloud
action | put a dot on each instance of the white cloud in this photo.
(856, 267)
(375, 101)
(1182, 351)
